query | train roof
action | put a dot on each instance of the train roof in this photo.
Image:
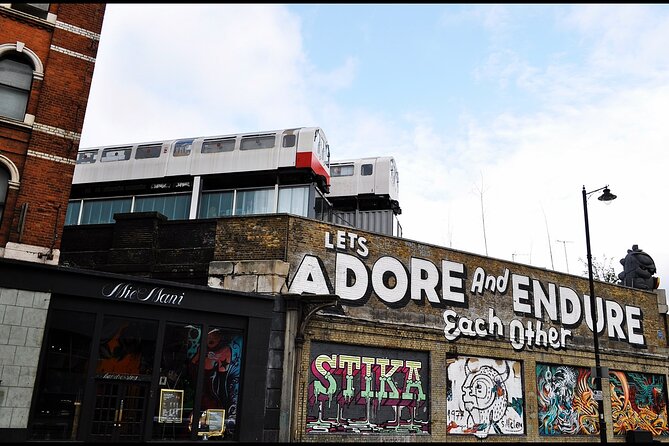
(171, 140)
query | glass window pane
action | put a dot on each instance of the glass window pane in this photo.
(178, 370)
(13, 102)
(257, 142)
(15, 74)
(366, 169)
(289, 140)
(216, 204)
(174, 207)
(294, 200)
(61, 385)
(222, 375)
(37, 9)
(148, 151)
(102, 211)
(72, 215)
(183, 147)
(87, 157)
(218, 145)
(127, 347)
(116, 154)
(341, 171)
(258, 201)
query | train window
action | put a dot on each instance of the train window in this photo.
(183, 147)
(257, 142)
(341, 171)
(366, 169)
(149, 151)
(87, 157)
(289, 140)
(218, 145)
(116, 154)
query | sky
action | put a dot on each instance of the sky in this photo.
(498, 115)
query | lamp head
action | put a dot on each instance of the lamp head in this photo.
(607, 197)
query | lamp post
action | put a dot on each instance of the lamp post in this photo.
(606, 196)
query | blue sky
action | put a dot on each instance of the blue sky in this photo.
(495, 113)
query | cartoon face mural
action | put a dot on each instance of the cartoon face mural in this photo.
(365, 390)
(638, 402)
(565, 401)
(485, 396)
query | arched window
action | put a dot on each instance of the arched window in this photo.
(16, 75)
(4, 185)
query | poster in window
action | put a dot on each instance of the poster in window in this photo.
(171, 406)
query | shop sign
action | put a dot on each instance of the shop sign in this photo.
(128, 291)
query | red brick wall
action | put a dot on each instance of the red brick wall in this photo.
(58, 103)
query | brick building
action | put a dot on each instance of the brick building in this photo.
(377, 338)
(47, 58)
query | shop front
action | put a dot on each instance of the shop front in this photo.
(125, 359)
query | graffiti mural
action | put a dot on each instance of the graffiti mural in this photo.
(367, 390)
(565, 400)
(638, 402)
(485, 397)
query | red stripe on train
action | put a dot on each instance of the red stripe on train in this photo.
(309, 159)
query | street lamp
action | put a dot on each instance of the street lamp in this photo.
(606, 197)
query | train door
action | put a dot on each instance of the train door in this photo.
(366, 176)
(119, 413)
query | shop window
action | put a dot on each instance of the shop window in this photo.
(294, 200)
(16, 76)
(216, 204)
(60, 385)
(178, 373)
(174, 207)
(126, 348)
(222, 380)
(254, 201)
(102, 211)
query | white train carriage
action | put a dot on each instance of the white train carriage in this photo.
(299, 148)
(365, 176)
(205, 177)
(364, 194)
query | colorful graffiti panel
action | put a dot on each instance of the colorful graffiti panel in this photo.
(565, 400)
(356, 389)
(485, 397)
(638, 402)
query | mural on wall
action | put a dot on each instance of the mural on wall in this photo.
(565, 400)
(356, 389)
(638, 402)
(485, 397)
